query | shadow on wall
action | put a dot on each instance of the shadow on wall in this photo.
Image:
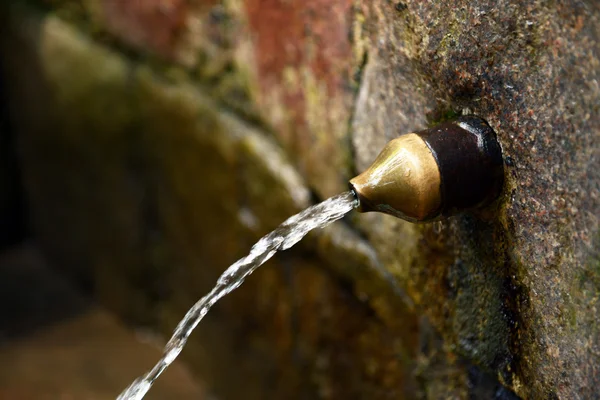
(55, 342)
(13, 218)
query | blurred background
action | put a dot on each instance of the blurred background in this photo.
(146, 145)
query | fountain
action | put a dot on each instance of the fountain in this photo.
(419, 177)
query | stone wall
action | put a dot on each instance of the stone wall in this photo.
(160, 139)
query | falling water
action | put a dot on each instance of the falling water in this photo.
(285, 236)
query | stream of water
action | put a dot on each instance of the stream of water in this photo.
(285, 236)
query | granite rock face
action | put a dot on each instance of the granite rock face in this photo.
(159, 139)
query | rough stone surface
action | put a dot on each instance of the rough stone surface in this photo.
(168, 140)
(528, 266)
(287, 66)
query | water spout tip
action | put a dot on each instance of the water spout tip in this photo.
(434, 173)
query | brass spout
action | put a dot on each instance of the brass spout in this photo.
(434, 173)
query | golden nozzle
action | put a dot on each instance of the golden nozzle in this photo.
(434, 173)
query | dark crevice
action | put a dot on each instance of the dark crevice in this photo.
(358, 80)
(155, 263)
(14, 227)
(484, 386)
(32, 295)
(514, 307)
